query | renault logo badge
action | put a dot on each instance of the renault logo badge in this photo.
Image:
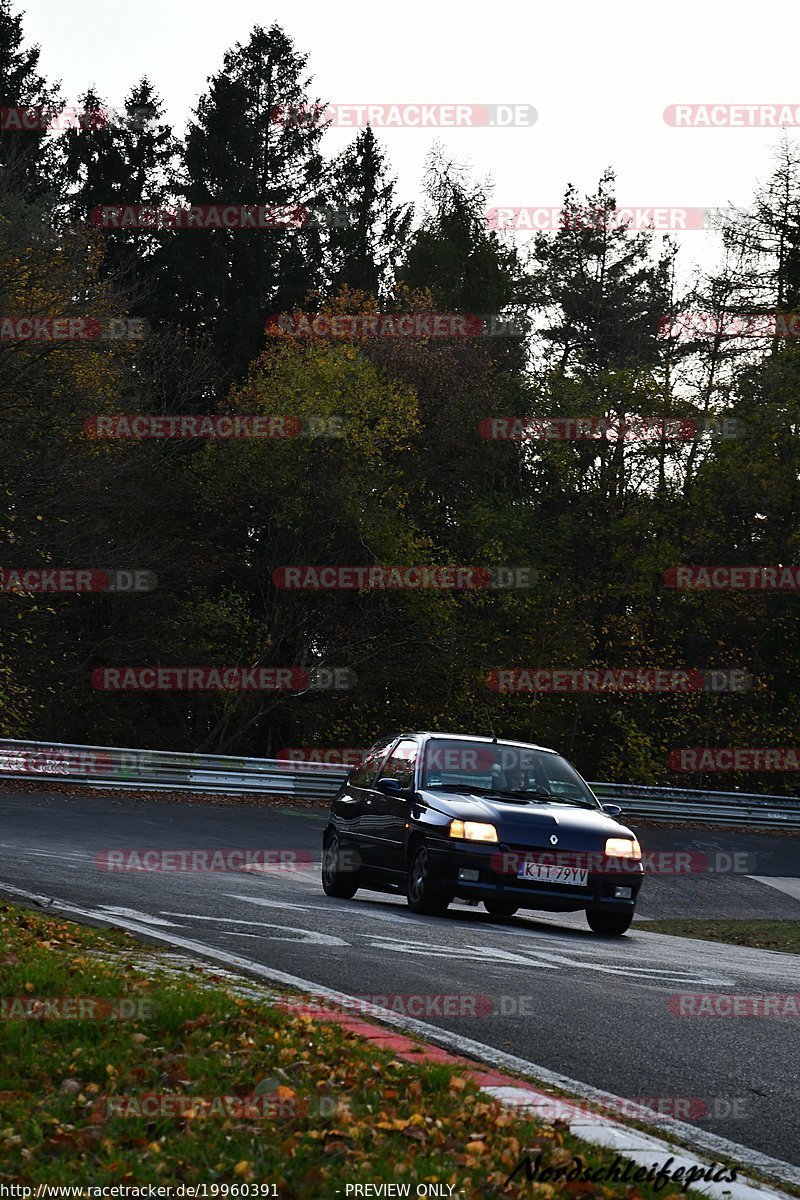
(553, 840)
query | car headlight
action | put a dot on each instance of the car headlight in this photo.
(623, 848)
(473, 831)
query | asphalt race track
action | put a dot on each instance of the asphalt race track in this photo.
(595, 1009)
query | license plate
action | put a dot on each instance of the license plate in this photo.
(546, 873)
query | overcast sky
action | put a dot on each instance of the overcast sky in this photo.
(598, 75)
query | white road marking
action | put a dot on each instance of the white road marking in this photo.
(306, 935)
(541, 955)
(781, 883)
(264, 901)
(462, 953)
(137, 916)
(52, 854)
(663, 974)
(356, 910)
(546, 960)
(309, 877)
(266, 936)
(201, 917)
(307, 869)
(243, 933)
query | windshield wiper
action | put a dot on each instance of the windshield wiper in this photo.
(521, 794)
(458, 787)
(510, 793)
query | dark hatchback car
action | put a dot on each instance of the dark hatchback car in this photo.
(439, 816)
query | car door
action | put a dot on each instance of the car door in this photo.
(387, 815)
(350, 806)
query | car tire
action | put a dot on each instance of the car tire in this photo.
(336, 881)
(422, 894)
(613, 924)
(500, 909)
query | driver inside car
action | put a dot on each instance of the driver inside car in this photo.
(514, 780)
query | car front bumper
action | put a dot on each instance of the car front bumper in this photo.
(450, 862)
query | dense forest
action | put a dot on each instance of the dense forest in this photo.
(392, 459)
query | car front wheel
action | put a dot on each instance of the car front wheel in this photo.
(500, 908)
(611, 923)
(423, 895)
(336, 881)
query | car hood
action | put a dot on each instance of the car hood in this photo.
(529, 823)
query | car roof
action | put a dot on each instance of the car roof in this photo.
(474, 737)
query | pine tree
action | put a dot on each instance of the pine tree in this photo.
(464, 264)
(27, 153)
(366, 243)
(763, 240)
(93, 162)
(247, 145)
(123, 158)
(601, 290)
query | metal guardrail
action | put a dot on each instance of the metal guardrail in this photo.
(173, 770)
(720, 808)
(166, 769)
(717, 808)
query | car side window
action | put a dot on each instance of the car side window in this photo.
(401, 763)
(364, 774)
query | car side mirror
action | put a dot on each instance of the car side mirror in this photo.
(389, 787)
(612, 810)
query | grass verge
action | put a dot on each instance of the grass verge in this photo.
(164, 1071)
(763, 935)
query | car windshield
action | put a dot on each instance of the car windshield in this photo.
(509, 770)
